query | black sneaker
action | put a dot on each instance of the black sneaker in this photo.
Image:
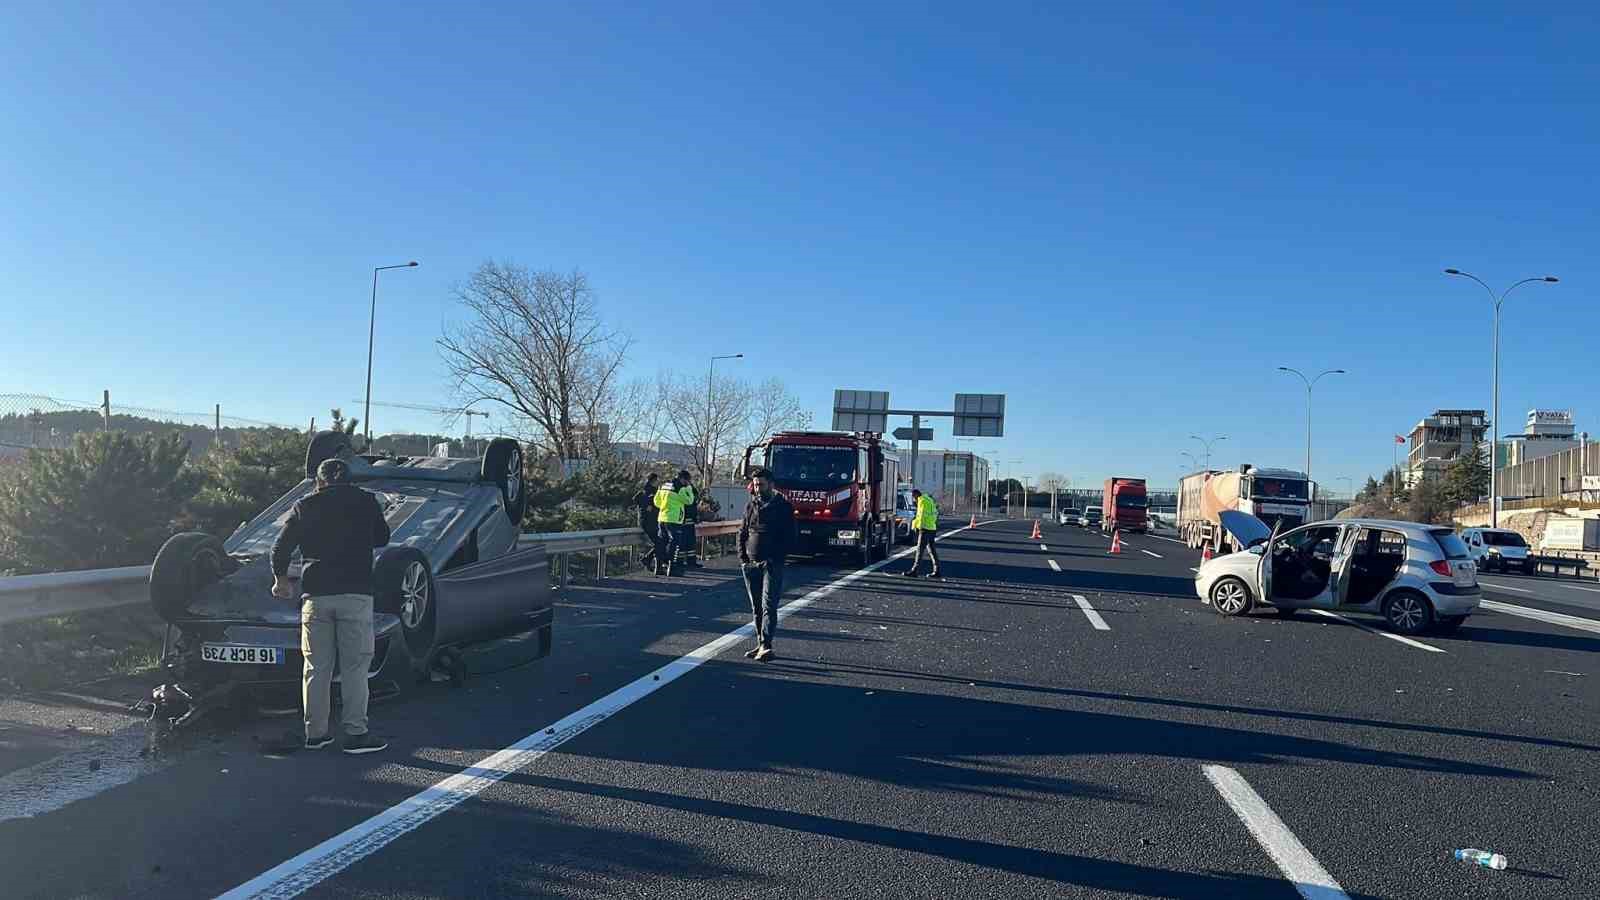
(909, 573)
(319, 742)
(357, 744)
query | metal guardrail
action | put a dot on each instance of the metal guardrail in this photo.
(26, 597)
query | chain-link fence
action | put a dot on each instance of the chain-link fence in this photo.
(30, 421)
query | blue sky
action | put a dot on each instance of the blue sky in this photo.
(1125, 219)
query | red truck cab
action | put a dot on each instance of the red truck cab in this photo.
(1126, 505)
(842, 487)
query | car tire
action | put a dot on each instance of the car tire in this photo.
(502, 464)
(404, 586)
(184, 565)
(1448, 624)
(1408, 612)
(326, 445)
(1530, 568)
(1231, 597)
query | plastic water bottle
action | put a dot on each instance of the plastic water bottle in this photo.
(1482, 858)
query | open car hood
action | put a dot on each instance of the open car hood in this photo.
(1245, 528)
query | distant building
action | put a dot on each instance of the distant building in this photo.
(953, 477)
(648, 452)
(1547, 431)
(1437, 440)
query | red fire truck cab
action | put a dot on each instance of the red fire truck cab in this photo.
(842, 487)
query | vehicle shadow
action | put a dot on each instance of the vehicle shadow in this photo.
(1472, 631)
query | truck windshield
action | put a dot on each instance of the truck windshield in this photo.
(1279, 489)
(818, 467)
(1132, 501)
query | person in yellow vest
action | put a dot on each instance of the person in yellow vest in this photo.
(926, 527)
(672, 499)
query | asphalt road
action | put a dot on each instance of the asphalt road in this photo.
(1049, 720)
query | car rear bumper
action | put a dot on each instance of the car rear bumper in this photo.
(284, 638)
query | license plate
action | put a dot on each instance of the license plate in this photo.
(1466, 574)
(849, 535)
(239, 654)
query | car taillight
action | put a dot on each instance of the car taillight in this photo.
(1442, 566)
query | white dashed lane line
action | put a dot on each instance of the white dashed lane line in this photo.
(1148, 553)
(1541, 615)
(1393, 637)
(1296, 863)
(1053, 564)
(1044, 548)
(1090, 613)
(1504, 587)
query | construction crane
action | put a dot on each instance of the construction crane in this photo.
(451, 412)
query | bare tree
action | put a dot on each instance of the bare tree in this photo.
(536, 345)
(772, 409)
(1049, 482)
(710, 421)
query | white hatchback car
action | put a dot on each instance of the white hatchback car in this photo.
(1418, 577)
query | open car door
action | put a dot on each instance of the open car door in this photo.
(1344, 564)
(1264, 566)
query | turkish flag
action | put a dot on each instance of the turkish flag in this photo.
(1399, 440)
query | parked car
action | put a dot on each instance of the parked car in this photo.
(1068, 516)
(1498, 548)
(1418, 577)
(905, 512)
(452, 573)
(1091, 516)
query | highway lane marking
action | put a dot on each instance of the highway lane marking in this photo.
(1540, 615)
(1174, 540)
(1089, 613)
(1044, 548)
(1365, 627)
(1504, 587)
(310, 868)
(1053, 564)
(1292, 858)
(1148, 553)
(1194, 569)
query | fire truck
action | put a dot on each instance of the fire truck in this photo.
(841, 484)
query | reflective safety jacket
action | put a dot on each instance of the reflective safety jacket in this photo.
(671, 503)
(927, 514)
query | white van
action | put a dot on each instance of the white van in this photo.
(1498, 548)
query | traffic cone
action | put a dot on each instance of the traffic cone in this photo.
(1116, 542)
(1036, 535)
(1206, 554)
(974, 522)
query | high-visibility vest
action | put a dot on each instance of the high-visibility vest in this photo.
(671, 504)
(927, 514)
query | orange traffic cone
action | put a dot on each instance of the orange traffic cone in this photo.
(1116, 541)
(1206, 554)
(1036, 535)
(974, 522)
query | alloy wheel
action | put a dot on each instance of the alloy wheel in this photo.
(1229, 597)
(414, 595)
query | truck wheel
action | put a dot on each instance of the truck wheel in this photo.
(867, 546)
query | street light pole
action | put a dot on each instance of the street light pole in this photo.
(1207, 444)
(1494, 420)
(372, 323)
(709, 375)
(1310, 383)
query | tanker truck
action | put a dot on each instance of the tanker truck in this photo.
(1280, 497)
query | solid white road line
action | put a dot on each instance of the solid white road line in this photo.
(1292, 858)
(1174, 540)
(1148, 553)
(1053, 564)
(1194, 569)
(295, 876)
(1504, 587)
(1391, 636)
(1540, 615)
(1089, 613)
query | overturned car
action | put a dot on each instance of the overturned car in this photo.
(452, 574)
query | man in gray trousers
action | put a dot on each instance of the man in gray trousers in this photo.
(336, 527)
(765, 537)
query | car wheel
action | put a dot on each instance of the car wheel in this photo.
(1230, 597)
(405, 588)
(326, 445)
(1530, 568)
(184, 565)
(1408, 612)
(502, 464)
(1448, 624)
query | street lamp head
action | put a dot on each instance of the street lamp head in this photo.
(1337, 372)
(1452, 271)
(738, 356)
(412, 263)
(1285, 369)
(1551, 279)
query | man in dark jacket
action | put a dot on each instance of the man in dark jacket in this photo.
(765, 537)
(336, 527)
(645, 502)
